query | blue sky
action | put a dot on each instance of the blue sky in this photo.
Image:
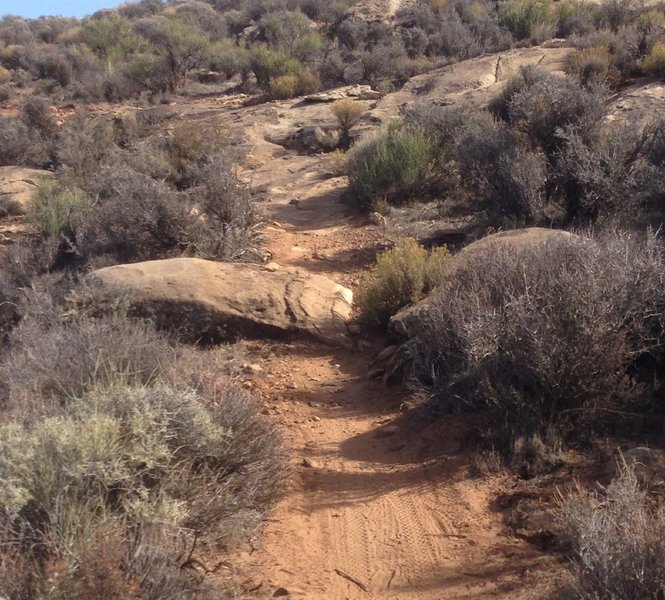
(66, 8)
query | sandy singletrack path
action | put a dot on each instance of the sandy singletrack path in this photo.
(372, 510)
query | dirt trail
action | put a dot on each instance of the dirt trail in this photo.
(370, 512)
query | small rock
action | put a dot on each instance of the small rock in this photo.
(387, 431)
(315, 418)
(281, 593)
(253, 368)
(294, 201)
(309, 463)
(247, 384)
(378, 219)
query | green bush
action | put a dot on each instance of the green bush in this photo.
(393, 163)
(268, 64)
(52, 210)
(229, 58)
(524, 17)
(402, 276)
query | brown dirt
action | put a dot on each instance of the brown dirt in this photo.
(369, 512)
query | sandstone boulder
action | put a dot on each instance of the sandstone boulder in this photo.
(407, 321)
(17, 187)
(213, 302)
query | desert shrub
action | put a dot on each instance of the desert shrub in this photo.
(526, 18)
(654, 62)
(593, 66)
(547, 103)
(617, 538)
(188, 146)
(56, 358)
(229, 58)
(614, 14)
(36, 114)
(53, 211)
(220, 193)
(81, 147)
(514, 328)
(292, 33)
(161, 458)
(149, 72)
(267, 64)
(574, 18)
(387, 62)
(607, 177)
(402, 276)
(394, 162)
(20, 145)
(135, 217)
(485, 162)
(178, 46)
(626, 47)
(348, 113)
(284, 86)
(204, 17)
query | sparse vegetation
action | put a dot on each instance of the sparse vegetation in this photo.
(617, 540)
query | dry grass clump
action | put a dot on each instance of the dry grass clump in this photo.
(402, 276)
(348, 113)
(617, 538)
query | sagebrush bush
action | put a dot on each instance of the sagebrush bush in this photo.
(545, 334)
(485, 162)
(543, 103)
(54, 359)
(19, 145)
(394, 162)
(402, 276)
(126, 438)
(618, 540)
(654, 62)
(608, 177)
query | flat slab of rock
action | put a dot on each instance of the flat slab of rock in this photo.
(17, 187)
(358, 92)
(214, 302)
